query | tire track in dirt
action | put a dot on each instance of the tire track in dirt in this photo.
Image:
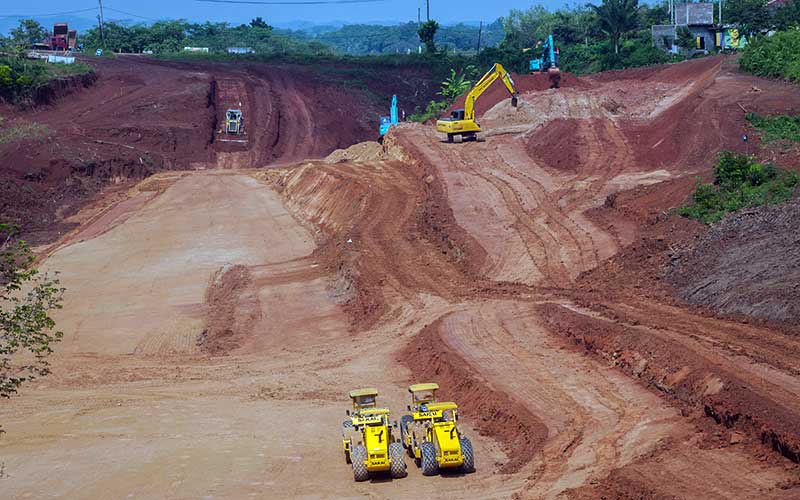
(597, 419)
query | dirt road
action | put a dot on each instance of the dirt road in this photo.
(215, 320)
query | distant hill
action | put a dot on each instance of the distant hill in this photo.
(363, 39)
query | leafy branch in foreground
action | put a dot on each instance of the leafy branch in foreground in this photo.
(27, 297)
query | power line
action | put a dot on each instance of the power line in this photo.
(291, 2)
(130, 14)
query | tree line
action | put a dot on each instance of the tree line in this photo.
(614, 34)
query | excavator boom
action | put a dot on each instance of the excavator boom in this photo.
(497, 71)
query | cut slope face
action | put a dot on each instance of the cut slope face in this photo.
(746, 264)
(143, 116)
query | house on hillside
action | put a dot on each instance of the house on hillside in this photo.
(697, 17)
(241, 50)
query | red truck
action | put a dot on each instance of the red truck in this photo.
(62, 39)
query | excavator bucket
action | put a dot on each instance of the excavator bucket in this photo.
(514, 101)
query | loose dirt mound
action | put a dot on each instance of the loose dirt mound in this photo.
(746, 264)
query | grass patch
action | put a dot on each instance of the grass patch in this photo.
(23, 131)
(76, 68)
(739, 182)
(776, 128)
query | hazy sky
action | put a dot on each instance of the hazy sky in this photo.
(388, 10)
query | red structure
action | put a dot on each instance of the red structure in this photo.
(62, 39)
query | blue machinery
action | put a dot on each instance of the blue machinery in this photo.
(388, 121)
(548, 62)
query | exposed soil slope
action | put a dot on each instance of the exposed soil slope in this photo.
(526, 280)
(749, 263)
(143, 116)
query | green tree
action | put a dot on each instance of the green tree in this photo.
(616, 18)
(752, 16)
(260, 23)
(426, 33)
(777, 56)
(787, 16)
(27, 298)
(28, 32)
(523, 28)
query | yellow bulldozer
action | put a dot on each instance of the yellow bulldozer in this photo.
(369, 443)
(461, 122)
(431, 433)
(234, 122)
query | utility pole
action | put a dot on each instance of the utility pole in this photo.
(101, 20)
(480, 32)
(428, 8)
(419, 17)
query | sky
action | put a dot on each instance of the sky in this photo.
(446, 11)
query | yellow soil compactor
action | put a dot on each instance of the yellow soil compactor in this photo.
(369, 443)
(431, 434)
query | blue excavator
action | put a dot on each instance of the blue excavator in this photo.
(388, 122)
(548, 62)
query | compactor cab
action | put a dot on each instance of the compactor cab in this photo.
(367, 437)
(431, 434)
(422, 394)
(234, 123)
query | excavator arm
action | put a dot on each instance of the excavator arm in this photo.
(393, 113)
(497, 71)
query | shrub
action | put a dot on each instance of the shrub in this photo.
(776, 128)
(433, 110)
(777, 56)
(20, 77)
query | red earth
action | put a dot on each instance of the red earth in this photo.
(222, 314)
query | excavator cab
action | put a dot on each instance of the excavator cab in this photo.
(457, 114)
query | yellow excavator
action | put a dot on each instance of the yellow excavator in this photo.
(461, 122)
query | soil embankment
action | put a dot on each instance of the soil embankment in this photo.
(746, 264)
(212, 314)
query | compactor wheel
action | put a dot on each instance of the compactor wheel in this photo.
(430, 467)
(398, 465)
(469, 455)
(359, 457)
